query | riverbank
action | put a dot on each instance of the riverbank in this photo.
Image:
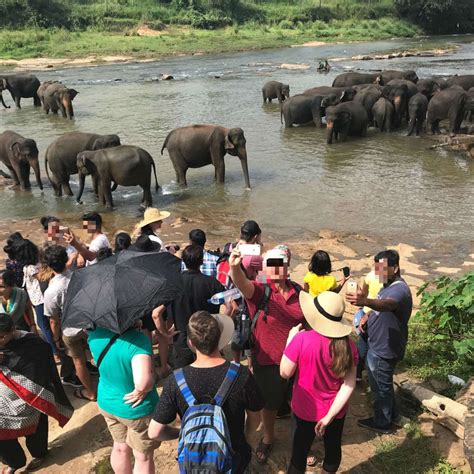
(143, 42)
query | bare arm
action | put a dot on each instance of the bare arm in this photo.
(238, 276)
(359, 299)
(162, 432)
(143, 379)
(81, 248)
(287, 368)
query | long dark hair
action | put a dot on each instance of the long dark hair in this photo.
(27, 253)
(13, 242)
(341, 356)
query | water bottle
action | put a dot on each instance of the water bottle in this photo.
(225, 296)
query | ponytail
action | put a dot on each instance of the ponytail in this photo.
(341, 356)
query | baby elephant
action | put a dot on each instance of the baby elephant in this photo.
(382, 112)
(125, 165)
(59, 97)
(275, 90)
(417, 107)
(347, 118)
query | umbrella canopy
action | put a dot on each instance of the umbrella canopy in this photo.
(120, 290)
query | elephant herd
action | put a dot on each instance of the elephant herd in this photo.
(53, 96)
(384, 100)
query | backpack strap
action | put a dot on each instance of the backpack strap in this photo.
(106, 349)
(262, 307)
(227, 384)
(184, 388)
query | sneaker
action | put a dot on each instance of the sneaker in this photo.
(72, 382)
(369, 423)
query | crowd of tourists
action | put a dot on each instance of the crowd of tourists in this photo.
(238, 346)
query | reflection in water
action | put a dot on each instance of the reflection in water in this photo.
(386, 185)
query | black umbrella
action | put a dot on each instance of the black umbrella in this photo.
(120, 290)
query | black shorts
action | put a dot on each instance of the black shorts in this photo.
(274, 388)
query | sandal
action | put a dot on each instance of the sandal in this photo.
(79, 393)
(311, 460)
(264, 451)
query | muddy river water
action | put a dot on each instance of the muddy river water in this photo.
(389, 186)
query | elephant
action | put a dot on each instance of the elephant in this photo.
(411, 87)
(275, 90)
(388, 75)
(303, 109)
(195, 146)
(360, 87)
(61, 156)
(383, 111)
(346, 118)
(344, 93)
(417, 107)
(367, 97)
(398, 95)
(42, 89)
(348, 79)
(469, 108)
(59, 97)
(448, 103)
(2, 101)
(21, 85)
(126, 165)
(428, 87)
(466, 81)
(19, 154)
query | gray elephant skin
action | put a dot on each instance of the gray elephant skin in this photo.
(275, 90)
(21, 86)
(19, 154)
(2, 101)
(368, 97)
(303, 109)
(196, 146)
(465, 81)
(347, 118)
(125, 165)
(388, 75)
(382, 112)
(447, 104)
(398, 95)
(345, 93)
(428, 87)
(348, 79)
(61, 156)
(417, 108)
(469, 108)
(59, 97)
(42, 89)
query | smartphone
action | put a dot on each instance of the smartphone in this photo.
(250, 249)
(352, 287)
(346, 271)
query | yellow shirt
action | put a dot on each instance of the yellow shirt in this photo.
(372, 281)
(318, 284)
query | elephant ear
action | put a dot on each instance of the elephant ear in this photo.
(228, 145)
(72, 93)
(15, 147)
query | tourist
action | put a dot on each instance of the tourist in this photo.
(54, 233)
(72, 341)
(209, 262)
(16, 303)
(126, 396)
(283, 311)
(207, 335)
(319, 278)
(323, 360)
(197, 289)
(151, 223)
(387, 327)
(122, 242)
(11, 263)
(33, 393)
(92, 224)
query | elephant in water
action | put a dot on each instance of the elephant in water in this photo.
(59, 97)
(21, 85)
(347, 118)
(447, 104)
(303, 109)
(417, 107)
(196, 146)
(275, 90)
(348, 79)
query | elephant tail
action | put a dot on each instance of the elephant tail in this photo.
(46, 166)
(165, 143)
(157, 186)
(281, 113)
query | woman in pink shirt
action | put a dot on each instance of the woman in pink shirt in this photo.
(324, 360)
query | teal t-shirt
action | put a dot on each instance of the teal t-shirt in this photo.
(116, 376)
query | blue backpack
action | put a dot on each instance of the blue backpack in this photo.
(204, 440)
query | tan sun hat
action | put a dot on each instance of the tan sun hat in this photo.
(324, 313)
(226, 325)
(152, 214)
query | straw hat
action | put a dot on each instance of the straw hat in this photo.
(226, 325)
(324, 313)
(152, 214)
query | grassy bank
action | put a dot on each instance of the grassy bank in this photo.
(62, 43)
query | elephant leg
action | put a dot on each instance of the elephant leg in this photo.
(36, 101)
(17, 102)
(23, 180)
(14, 175)
(364, 131)
(219, 170)
(67, 188)
(147, 200)
(180, 167)
(411, 128)
(95, 185)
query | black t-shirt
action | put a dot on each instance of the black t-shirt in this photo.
(204, 384)
(197, 289)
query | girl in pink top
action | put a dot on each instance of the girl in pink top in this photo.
(324, 360)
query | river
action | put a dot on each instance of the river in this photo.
(388, 186)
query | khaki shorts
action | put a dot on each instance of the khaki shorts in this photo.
(132, 432)
(76, 346)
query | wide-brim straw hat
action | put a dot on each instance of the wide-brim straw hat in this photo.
(226, 325)
(325, 313)
(152, 214)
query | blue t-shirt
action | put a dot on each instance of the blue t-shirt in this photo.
(116, 376)
(388, 331)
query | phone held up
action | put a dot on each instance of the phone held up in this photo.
(346, 271)
(351, 287)
(249, 249)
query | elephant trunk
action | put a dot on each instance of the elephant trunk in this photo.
(245, 168)
(329, 132)
(82, 181)
(68, 108)
(36, 169)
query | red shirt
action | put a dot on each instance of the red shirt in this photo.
(283, 314)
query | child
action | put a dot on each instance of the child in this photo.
(318, 279)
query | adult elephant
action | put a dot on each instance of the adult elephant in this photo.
(344, 93)
(417, 108)
(61, 156)
(42, 89)
(126, 165)
(275, 90)
(347, 118)
(303, 109)
(200, 145)
(19, 154)
(59, 97)
(382, 112)
(348, 79)
(428, 87)
(411, 87)
(465, 81)
(398, 95)
(368, 97)
(388, 75)
(21, 86)
(447, 104)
